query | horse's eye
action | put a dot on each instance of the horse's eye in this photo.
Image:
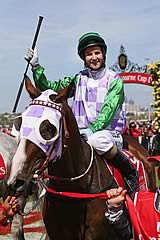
(52, 97)
(47, 130)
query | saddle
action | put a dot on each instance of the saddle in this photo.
(133, 160)
(137, 165)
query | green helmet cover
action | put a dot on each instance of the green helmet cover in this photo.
(90, 39)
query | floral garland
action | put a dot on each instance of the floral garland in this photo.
(154, 69)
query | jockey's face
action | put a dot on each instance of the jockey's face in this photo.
(94, 58)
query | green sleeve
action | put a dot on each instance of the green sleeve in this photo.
(113, 101)
(42, 83)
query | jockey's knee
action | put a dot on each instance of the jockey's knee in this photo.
(103, 142)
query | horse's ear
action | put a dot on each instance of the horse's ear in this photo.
(31, 89)
(65, 93)
(17, 121)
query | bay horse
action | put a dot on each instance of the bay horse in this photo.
(50, 138)
(138, 151)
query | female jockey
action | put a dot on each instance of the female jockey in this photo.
(98, 98)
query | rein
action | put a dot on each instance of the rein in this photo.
(102, 195)
(69, 179)
(39, 174)
(75, 195)
(66, 134)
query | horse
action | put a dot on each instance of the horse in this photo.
(50, 139)
(8, 146)
(138, 151)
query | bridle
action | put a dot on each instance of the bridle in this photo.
(61, 110)
(40, 172)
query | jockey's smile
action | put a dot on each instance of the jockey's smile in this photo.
(93, 57)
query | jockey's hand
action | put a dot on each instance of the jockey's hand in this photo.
(11, 206)
(116, 196)
(32, 57)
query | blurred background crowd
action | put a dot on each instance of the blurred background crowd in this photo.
(143, 131)
(146, 134)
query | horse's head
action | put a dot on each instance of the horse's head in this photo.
(40, 137)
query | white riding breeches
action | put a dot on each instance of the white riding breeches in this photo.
(102, 141)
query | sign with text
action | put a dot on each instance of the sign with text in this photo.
(136, 77)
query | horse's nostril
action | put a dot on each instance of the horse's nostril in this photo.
(21, 187)
(16, 185)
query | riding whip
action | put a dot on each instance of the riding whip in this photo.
(33, 47)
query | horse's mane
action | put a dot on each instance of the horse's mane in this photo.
(77, 145)
(70, 117)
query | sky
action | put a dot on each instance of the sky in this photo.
(134, 24)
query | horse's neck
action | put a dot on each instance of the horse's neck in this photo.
(75, 153)
(75, 143)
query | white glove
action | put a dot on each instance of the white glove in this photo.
(32, 57)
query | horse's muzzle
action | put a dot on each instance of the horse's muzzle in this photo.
(21, 187)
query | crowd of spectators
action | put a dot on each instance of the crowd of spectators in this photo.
(146, 134)
(143, 131)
